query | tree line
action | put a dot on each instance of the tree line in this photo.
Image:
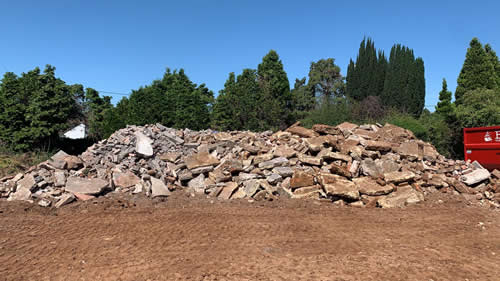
(37, 106)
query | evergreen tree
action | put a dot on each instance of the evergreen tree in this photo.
(13, 102)
(247, 94)
(50, 107)
(404, 86)
(223, 115)
(366, 76)
(477, 72)
(96, 110)
(174, 101)
(480, 107)
(444, 106)
(37, 107)
(303, 99)
(380, 74)
(492, 56)
(274, 109)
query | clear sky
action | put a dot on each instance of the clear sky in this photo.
(117, 46)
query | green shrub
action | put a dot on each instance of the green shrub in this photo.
(409, 122)
(332, 113)
(14, 162)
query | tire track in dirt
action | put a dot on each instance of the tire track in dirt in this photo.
(234, 241)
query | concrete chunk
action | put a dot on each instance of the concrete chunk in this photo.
(143, 145)
(85, 186)
(158, 188)
(475, 177)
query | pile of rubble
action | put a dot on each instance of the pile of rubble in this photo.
(367, 165)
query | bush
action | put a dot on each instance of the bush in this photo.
(12, 163)
(409, 122)
(331, 112)
(368, 110)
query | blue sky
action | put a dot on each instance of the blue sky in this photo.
(118, 46)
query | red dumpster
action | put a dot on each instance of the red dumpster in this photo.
(483, 144)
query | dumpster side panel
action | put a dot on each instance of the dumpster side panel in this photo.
(483, 144)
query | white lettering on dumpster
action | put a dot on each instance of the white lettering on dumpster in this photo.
(487, 137)
(497, 138)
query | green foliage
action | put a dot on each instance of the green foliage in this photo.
(236, 105)
(325, 80)
(438, 132)
(37, 107)
(331, 112)
(444, 106)
(96, 110)
(409, 122)
(400, 82)
(256, 99)
(493, 58)
(325, 83)
(366, 76)
(223, 111)
(479, 107)
(14, 162)
(303, 100)
(115, 118)
(478, 71)
(173, 101)
(275, 101)
(404, 87)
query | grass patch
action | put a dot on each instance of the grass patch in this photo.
(12, 162)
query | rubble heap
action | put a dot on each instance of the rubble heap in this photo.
(367, 165)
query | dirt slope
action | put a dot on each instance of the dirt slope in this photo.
(125, 238)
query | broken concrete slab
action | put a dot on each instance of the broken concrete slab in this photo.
(228, 189)
(300, 179)
(398, 177)
(198, 184)
(475, 177)
(343, 188)
(405, 195)
(368, 186)
(326, 129)
(143, 145)
(302, 132)
(158, 188)
(200, 159)
(88, 186)
(66, 198)
(126, 179)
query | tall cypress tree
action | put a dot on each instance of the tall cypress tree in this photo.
(477, 71)
(420, 87)
(366, 76)
(380, 74)
(404, 87)
(351, 80)
(275, 98)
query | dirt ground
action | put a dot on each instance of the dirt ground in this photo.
(181, 238)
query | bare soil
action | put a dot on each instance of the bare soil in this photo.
(133, 238)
